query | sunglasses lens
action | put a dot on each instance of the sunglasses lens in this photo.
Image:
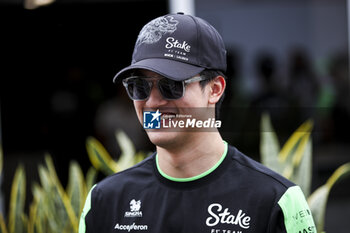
(138, 88)
(170, 89)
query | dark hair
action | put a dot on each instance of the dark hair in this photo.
(211, 75)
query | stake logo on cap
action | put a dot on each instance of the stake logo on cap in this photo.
(178, 47)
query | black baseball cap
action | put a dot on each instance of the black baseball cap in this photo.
(178, 47)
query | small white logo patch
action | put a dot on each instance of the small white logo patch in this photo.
(135, 207)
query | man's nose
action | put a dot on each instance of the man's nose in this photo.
(155, 99)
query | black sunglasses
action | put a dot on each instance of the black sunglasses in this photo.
(140, 87)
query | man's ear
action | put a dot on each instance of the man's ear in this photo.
(217, 88)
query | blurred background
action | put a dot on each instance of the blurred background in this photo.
(290, 58)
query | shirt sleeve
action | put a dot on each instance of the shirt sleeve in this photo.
(83, 218)
(295, 212)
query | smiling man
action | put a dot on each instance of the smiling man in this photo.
(195, 181)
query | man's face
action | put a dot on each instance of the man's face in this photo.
(194, 97)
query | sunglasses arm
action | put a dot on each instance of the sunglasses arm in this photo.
(194, 79)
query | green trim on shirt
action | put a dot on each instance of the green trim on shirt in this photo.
(194, 177)
(86, 209)
(297, 214)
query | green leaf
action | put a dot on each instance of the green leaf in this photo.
(59, 197)
(17, 201)
(33, 208)
(57, 207)
(139, 156)
(294, 140)
(269, 145)
(100, 158)
(24, 218)
(91, 177)
(126, 159)
(3, 228)
(294, 161)
(52, 205)
(38, 218)
(294, 149)
(318, 199)
(76, 189)
(44, 178)
(302, 174)
(317, 203)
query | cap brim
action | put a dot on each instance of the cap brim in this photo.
(168, 68)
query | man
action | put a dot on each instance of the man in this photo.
(195, 182)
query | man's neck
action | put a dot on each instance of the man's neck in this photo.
(193, 157)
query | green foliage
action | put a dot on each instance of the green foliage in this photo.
(17, 218)
(294, 161)
(55, 209)
(318, 199)
(102, 160)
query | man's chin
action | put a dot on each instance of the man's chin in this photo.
(162, 138)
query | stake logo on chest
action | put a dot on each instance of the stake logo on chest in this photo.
(220, 215)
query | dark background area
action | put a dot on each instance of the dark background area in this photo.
(58, 63)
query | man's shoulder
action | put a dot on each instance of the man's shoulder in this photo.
(257, 172)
